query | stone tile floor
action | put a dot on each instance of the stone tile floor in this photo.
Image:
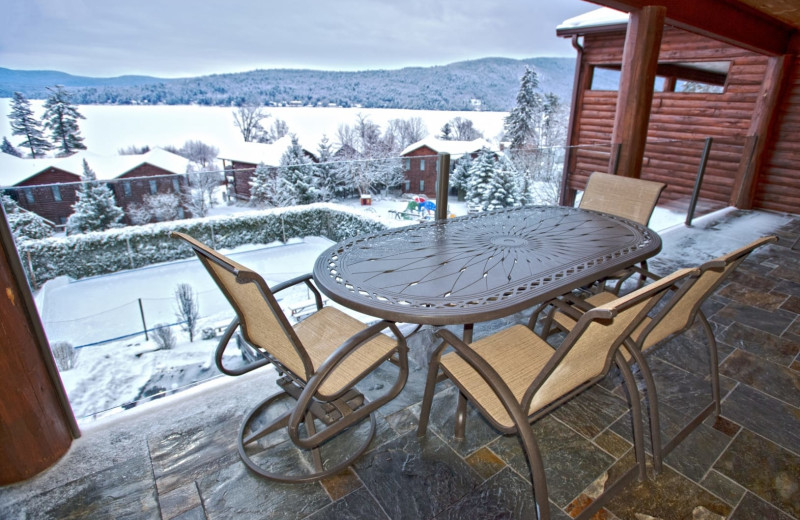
(176, 458)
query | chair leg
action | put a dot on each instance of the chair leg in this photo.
(713, 363)
(636, 414)
(538, 477)
(427, 399)
(655, 417)
(461, 416)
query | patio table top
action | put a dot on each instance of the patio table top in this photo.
(482, 266)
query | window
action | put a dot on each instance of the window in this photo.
(422, 186)
(408, 186)
(708, 77)
(406, 164)
(29, 196)
(153, 188)
(181, 213)
(126, 189)
(422, 164)
(176, 187)
(56, 192)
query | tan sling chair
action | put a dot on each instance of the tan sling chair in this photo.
(514, 377)
(319, 360)
(675, 317)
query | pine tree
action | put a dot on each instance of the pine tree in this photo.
(61, 118)
(521, 122)
(299, 173)
(459, 179)
(24, 224)
(331, 179)
(480, 179)
(8, 148)
(260, 192)
(95, 209)
(25, 124)
(503, 190)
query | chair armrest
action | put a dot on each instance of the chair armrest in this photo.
(223, 344)
(305, 278)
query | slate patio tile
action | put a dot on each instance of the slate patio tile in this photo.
(752, 507)
(764, 415)
(356, 506)
(780, 350)
(765, 376)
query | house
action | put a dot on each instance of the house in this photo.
(240, 161)
(48, 186)
(421, 162)
(744, 98)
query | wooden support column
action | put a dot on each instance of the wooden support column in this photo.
(639, 64)
(36, 423)
(582, 81)
(746, 180)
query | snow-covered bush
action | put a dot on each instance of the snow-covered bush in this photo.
(65, 355)
(102, 252)
(164, 337)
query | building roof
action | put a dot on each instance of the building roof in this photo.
(255, 153)
(604, 17)
(14, 170)
(456, 148)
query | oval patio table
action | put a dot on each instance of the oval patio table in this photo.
(482, 266)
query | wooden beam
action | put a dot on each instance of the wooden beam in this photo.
(582, 81)
(725, 20)
(746, 180)
(36, 423)
(639, 65)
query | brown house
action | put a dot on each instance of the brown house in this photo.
(240, 162)
(48, 187)
(745, 99)
(421, 161)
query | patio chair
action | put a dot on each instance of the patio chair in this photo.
(677, 315)
(634, 199)
(514, 377)
(319, 361)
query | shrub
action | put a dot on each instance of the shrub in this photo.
(164, 337)
(65, 355)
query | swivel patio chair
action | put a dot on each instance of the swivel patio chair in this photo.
(514, 377)
(677, 315)
(319, 361)
(634, 199)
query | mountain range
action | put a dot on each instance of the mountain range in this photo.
(457, 86)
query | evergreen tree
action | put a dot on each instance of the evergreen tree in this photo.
(24, 224)
(25, 124)
(95, 209)
(480, 179)
(61, 118)
(521, 122)
(459, 179)
(331, 175)
(269, 189)
(299, 173)
(8, 148)
(503, 190)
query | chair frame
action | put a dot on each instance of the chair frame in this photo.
(725, 264)
(517, 411)
(337, 412)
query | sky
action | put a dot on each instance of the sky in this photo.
(176, 38)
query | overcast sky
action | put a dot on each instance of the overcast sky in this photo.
(173, 38)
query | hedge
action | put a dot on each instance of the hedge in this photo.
(104, 252)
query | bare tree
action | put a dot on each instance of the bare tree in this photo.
(199, 152)
(187, 309)
(247, 119)
(164, 337)
(407, 131)
(65, 355)
(278, 129)
(464, 129)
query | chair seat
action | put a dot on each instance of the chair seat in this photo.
(516, 353)
(325, 331)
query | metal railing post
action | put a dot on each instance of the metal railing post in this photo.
(442, 185)
(701, 170)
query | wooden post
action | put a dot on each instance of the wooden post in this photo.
(639, 64)
(442, 185)
(746, 180)
(36, 423)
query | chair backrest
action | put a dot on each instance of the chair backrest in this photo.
(680, 311)
(263, 323)
(587, 352)
(626, 197)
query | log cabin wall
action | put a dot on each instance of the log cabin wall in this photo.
(679, 122)
(778, 186)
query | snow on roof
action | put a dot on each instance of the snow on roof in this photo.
(255, 153)
(450, 147)
(597, 18)
(14, 170)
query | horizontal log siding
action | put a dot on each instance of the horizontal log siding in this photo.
(679, 122)
(779, 180)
